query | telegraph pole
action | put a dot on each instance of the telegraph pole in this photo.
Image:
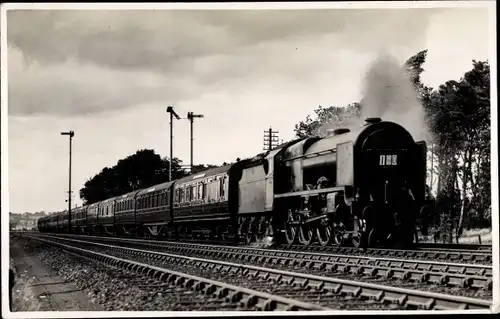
(170, 109)
(70, 134)
(271, 139)
(191, 116)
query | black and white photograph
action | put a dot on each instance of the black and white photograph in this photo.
(222, 159)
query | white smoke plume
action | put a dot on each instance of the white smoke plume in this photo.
(389, 94)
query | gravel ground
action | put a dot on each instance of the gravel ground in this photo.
(118, 290)
(451, 290)
(326, 299)
(113, 289)
(23, 297)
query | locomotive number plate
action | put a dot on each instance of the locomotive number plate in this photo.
(388, 160)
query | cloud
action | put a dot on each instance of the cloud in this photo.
(84, 62)
(157, 40)
(74, 89)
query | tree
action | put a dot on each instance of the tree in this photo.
(326, 118)
(459, 117)
(414, 69)
(140, 170)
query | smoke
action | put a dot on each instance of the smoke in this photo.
(389, 94)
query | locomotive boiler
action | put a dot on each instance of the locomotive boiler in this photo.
(366, 184)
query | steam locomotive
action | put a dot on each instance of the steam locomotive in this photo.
(364, 187)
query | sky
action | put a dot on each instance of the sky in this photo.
(109, 76)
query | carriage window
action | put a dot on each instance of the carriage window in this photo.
(181, 196)
(221, 193)
(193, 191)
(188, 193)
(216, 188)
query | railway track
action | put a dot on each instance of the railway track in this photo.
(472, 247)
(478, 256)
(463, 255)
(469, 280)
(222, 295)
(325, 291)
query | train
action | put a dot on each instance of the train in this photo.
(363, 186)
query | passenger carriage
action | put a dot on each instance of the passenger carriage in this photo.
(125, 206)
(153, 214)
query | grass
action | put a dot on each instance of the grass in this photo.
(470, 236)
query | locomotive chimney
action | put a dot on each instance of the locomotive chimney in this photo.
(372, 120)
(337, 131)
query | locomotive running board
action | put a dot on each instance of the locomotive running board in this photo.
(313, 192)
